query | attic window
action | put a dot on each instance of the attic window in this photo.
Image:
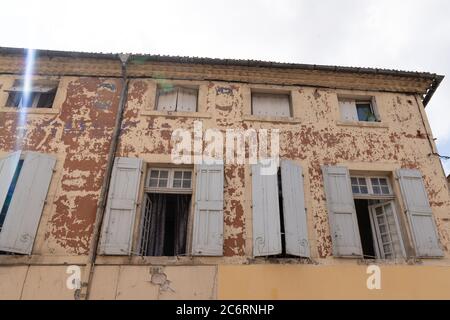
(268, 104)
(358, 110)
(40, 95)
(177, 98)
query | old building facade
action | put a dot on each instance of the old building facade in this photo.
(88, 180)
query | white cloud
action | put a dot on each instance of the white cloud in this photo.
(381, 33)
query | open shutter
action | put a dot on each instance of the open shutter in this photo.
(341, 212)
(420, 215)
(187, 100)
(348, 110)
(266, 213)
(8, 166)
(208, 218)
(167, 100)
(294, 211)
(120, 212)
(24, 213)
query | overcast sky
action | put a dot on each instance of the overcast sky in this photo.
(411, 35)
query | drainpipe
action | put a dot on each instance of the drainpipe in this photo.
(88, 273)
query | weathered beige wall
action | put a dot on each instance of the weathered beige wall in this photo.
(78, 132)
(313, 137)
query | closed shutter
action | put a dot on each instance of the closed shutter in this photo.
(187, 100)
(8, 166)
(167, 99)
(120, 211)
(420, 215)
(266, 213)
(24, 213)
(208, 218)
(341, 212)
(348, 110)
(294, 211)
(275, 105)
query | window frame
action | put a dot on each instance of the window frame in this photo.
(177, 87)
(371, 194)
(272, 93)
(170, 178)
(355, 100)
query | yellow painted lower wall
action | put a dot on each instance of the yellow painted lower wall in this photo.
(230, 282)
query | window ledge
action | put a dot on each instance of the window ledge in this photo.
(175, 114)
(30, 110)
(270, 119)
(362, 124)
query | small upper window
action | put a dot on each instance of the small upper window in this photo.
(377, 186)
(357, 110)
(359, 185)
(169, 178)
(176, 98)
(40, 95)
(268, 104)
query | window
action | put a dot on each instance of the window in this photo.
(41, 95)
(170, 179)
(278, 211)
(268, 104)
(177, 98)
(358, 110)
(165, 213)
(378, 186)
(368, 225)
(166, 210)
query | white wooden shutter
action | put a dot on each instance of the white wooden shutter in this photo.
(8, 167)
(208, 218)
(120, 211)
(348, 110)
(341, 212)
(294, 211)
(24, 213)
(187, 100)
(420, 215)
(167, 100)
(266, 213)
(276, 105)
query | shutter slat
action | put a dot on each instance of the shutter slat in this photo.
(294, 212)
(208, 217)
(420, 215)
(341, 212)
(23, 216)
(120, 211)
(266, 213)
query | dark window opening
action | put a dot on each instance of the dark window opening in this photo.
(365, 228)
(164, 229)
(17, 99)
(283, 253)
(365, 111)
(46, 100)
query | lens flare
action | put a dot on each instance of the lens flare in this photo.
(26, 96)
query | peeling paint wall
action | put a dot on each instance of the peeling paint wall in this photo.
(316, 137)
(77, 131)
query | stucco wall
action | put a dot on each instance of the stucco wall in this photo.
(314, 137)
(77, 131)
